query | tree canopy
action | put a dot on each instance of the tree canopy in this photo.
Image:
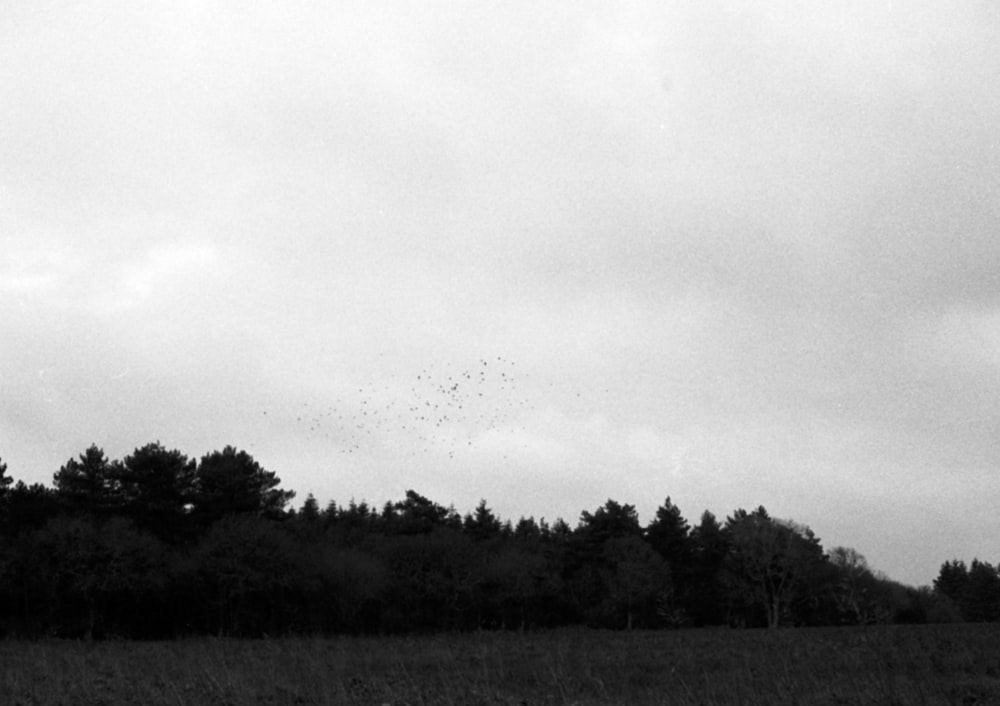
(157, 544)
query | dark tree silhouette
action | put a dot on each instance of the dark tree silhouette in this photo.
(156, 545)
(310, 509)
(769, 564)
(352, 525)
(710, 544)
(29, 507)
(249, 566)
(670, 536)
(231, 482)
(637, 580)
(527, 531)
(981, 597)
(97, 570)
(433, 580)
(608, 521)
(587, 564)
(482, 524)
(520, 586)
(853, 586)
(952, 580)
(418, 515)
(5, 480)
(90, 485)
(157, 487)
(353, 584)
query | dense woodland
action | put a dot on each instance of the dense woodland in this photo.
(160, 545)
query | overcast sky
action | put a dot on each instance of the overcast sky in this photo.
(545, 254)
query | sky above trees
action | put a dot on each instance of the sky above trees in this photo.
(733, 254)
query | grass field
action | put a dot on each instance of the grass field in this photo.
(949, 664)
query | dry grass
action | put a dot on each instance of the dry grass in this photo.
(955, 664)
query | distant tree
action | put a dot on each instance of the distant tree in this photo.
(608, 521)
(854, 586)
(90, 485)
(769, 563)
(308, 522)
(310, 509)
(23, 591)
(482, 524)
(29, 507)
(5, 480)
(419, 515)
(231, 482)
(952, 580)
(527, 531)
(897, 603)
(353, 584)
(250, 566)
(937, 607)
(637, 579)
(559, 532)
(158, 490)
(981, 598)
(705, 596)
(669, 534)
(99, 569)
(352, 525)
(432, 580)
(586, 563)
(521, 587)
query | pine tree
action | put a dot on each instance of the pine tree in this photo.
(981, 598)
(231, 482)
(482, 524)
(952, 580)
(310, 509)
(157, 488)
(710, 546)
(90, 485)
(670, 536)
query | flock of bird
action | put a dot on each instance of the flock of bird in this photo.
(434, 410)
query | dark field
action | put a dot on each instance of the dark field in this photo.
(950, 664)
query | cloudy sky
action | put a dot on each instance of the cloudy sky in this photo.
(738, 253)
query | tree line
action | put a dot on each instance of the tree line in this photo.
(161, 545)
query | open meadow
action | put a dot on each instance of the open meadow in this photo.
(941, 664)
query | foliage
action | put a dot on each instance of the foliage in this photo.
(669, 535)
(636, 580)
(247, 564)
(418, 515)
(157, 490)
(89, 485)
(159, 545)
(770, 565)
(482, 524)
(854, 588)
(973, 591)
(93, 577)
(28, 507)
(706, 593)
(5, 481)
(231, 482)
